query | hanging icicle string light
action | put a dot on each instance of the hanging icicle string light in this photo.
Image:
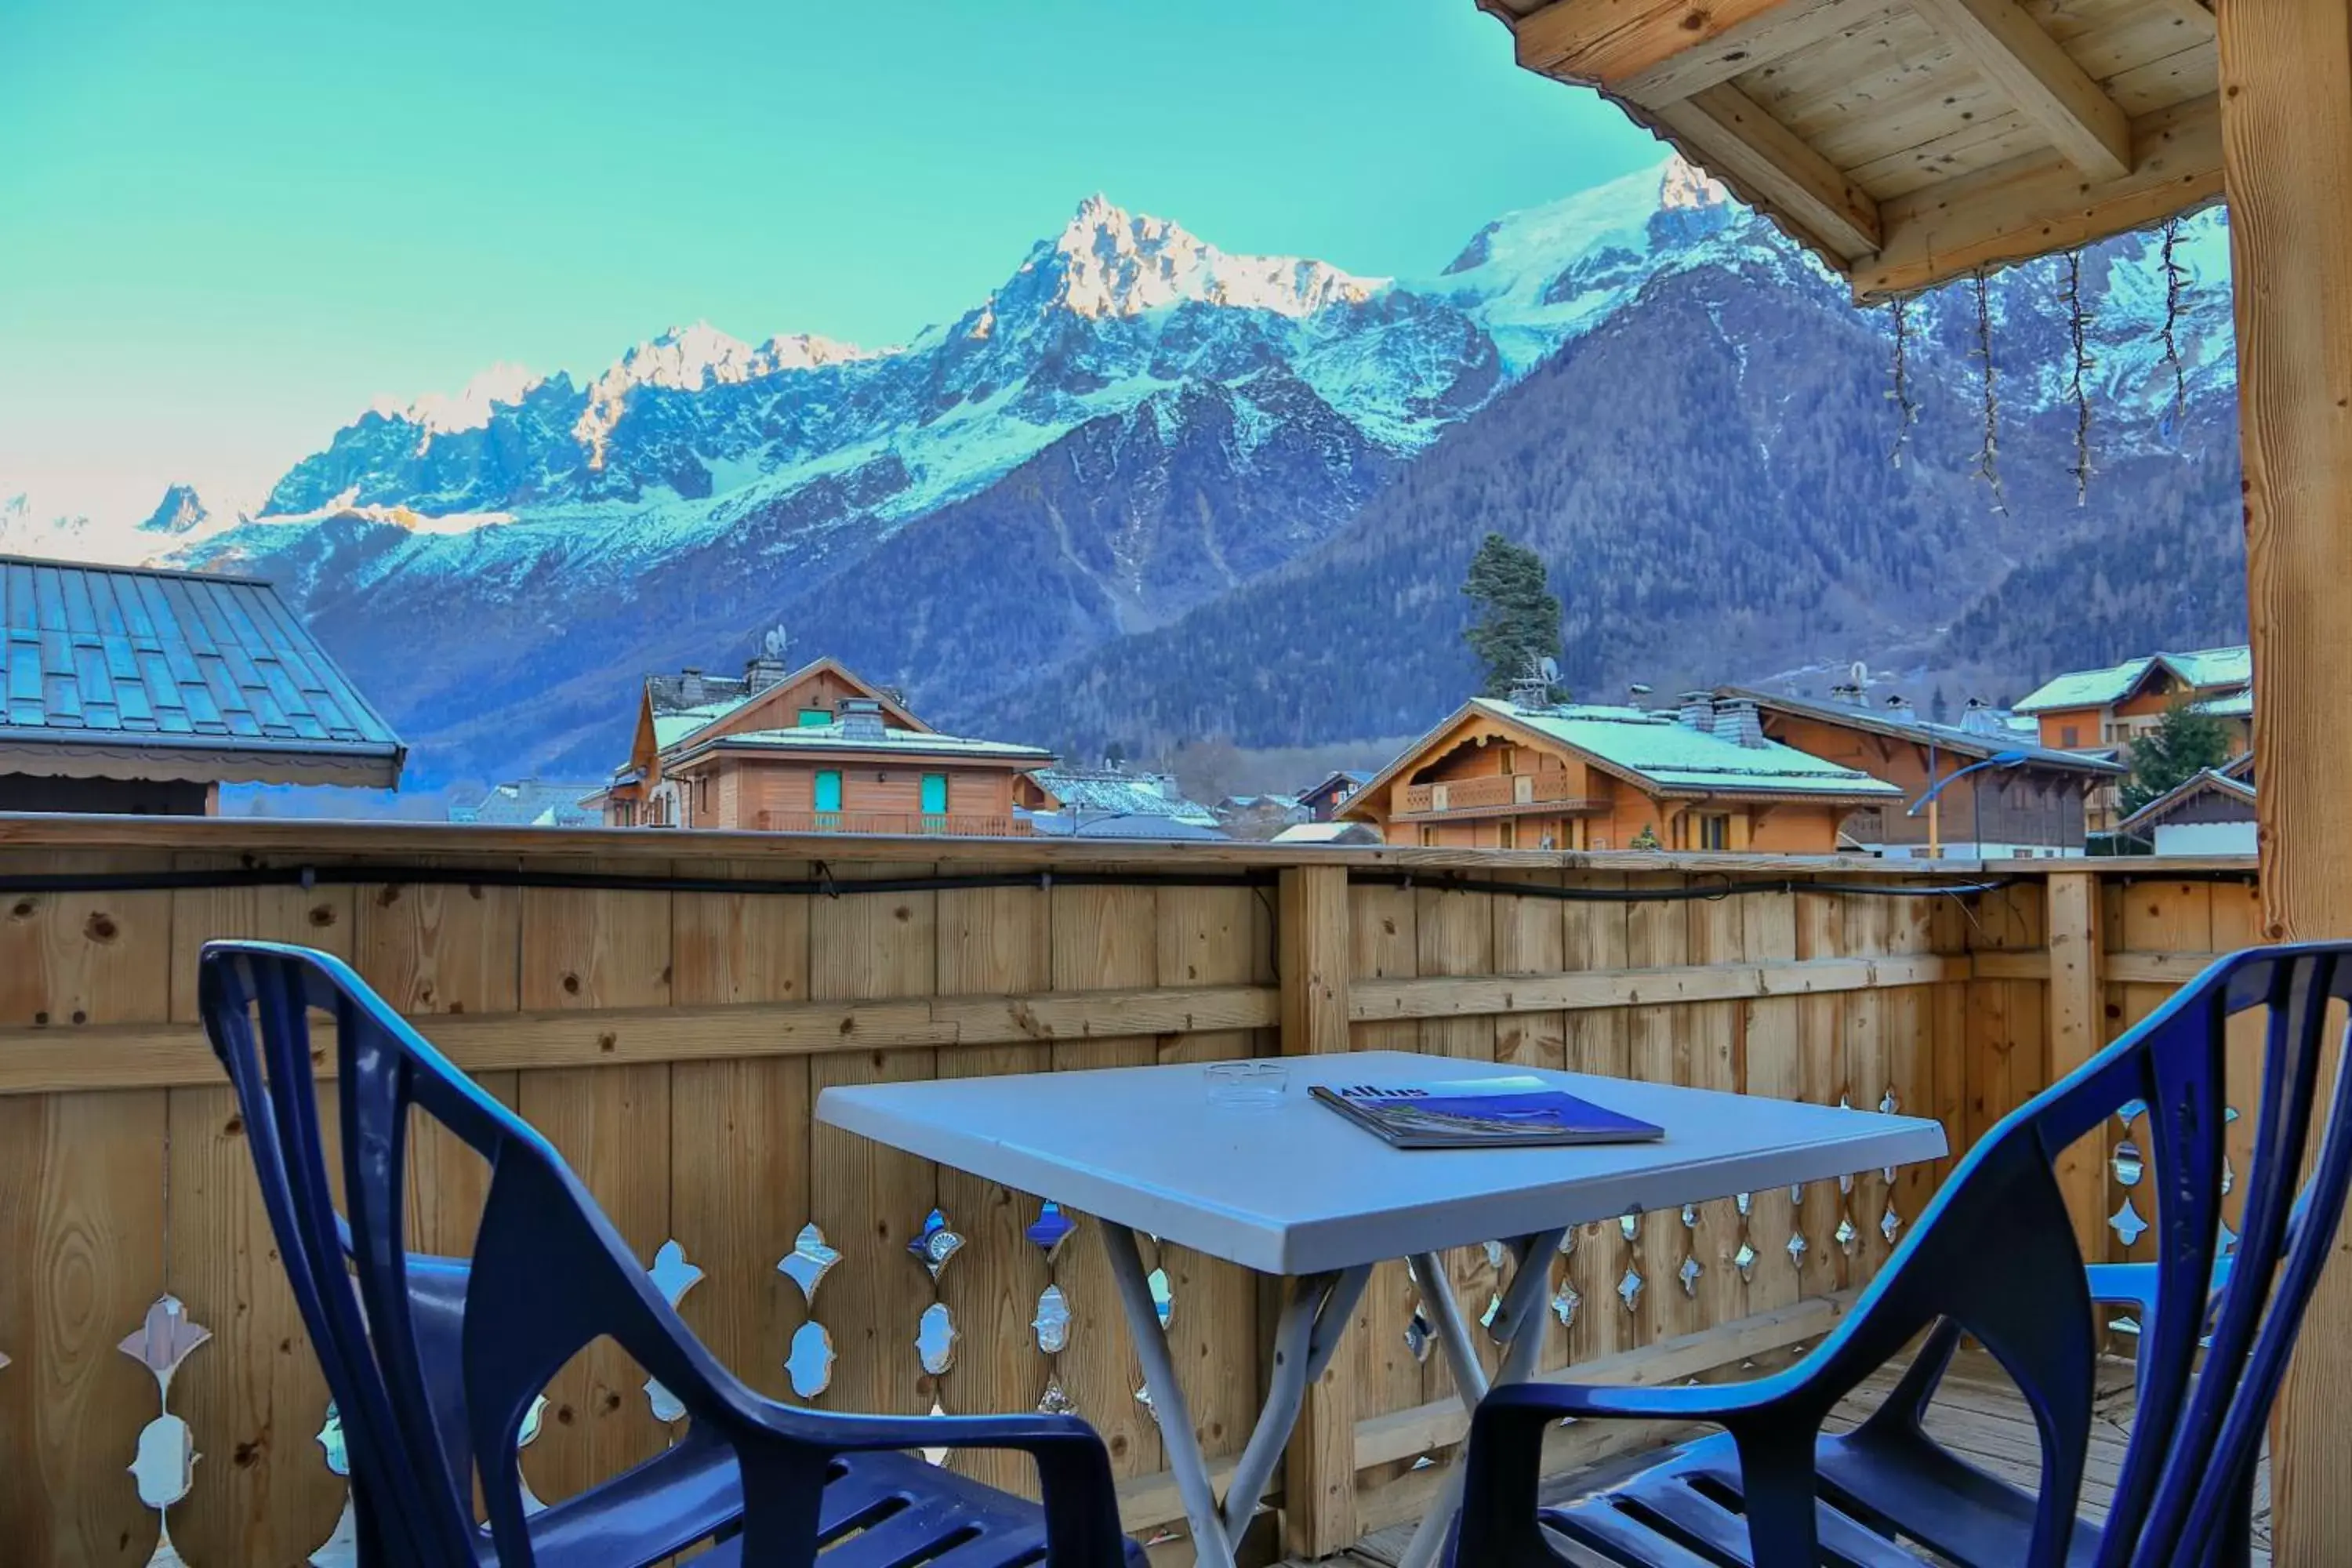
(2075, 325)
(1988, 456)
(1906, 410)
(2175, 275)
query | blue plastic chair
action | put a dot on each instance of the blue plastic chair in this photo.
(433, 1362)
(1994, 1258)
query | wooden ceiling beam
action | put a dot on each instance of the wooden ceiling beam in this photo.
(2040, 203)
(1768, 164)
(1602, 42)
(1786, 29)
(2029, 68)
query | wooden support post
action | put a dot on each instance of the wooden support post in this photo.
(1319, 1487)
(2286, 142)
(2076, 1008)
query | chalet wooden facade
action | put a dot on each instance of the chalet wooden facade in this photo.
(2036, 808)
(141, 692)
(2106, 710)
(2209, 813)
(812, 750)
(1496, 774)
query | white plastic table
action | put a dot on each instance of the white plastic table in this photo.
(1297, 1191)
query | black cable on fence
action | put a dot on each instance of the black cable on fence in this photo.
(823, 883)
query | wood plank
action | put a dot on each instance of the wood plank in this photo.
(1315, 958)
(2032, 205)
(738, 1133)
(1743, 143)
(994, 938)
(2037, 75)
(1822, 1074)
(2077, 1005)
(1771, 35)
(1659, 1046)
(2286, 124)
(612, 1125)
(1645, 985)
(1105, 936)
(256, 1393)
(1869, 1052)
(43, 1060)
(870, 1200)
(1603, 42)
(1772, 1033)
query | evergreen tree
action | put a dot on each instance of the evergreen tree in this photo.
(1516, 617)
(2183, 744)
(1939, 708)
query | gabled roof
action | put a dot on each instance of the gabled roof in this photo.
(2209, 781)
(534, 803)
(682, 705)
(1656, 752)
(1902, 725)
(1114, 793)
(1344, 780)
(2204, 669)
(116, 659)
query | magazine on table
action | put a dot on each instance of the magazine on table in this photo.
(1513, 1112)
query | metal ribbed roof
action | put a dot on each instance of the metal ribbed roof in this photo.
(112, 656)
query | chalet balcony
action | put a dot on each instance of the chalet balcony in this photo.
(1502, 794)
(669, 1018)
(892, 824)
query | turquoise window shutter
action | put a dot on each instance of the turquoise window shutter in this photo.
(828, 790)
(935, 794)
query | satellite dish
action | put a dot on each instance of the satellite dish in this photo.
(772, 642)
(1859, 675)
(1549, 668)
(1638, 689)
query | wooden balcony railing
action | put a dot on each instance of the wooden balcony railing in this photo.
(897, 824)
(1494, 791)
(671, 1039)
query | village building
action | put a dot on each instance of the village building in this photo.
(812, 750)
(533, 803)
(2034, 806)
(2106, 710)
(2212, 812)
(1323, 801)
(134, 690)
(1109, 803)
(1505, 776)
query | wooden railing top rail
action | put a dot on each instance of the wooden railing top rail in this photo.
(284, 840)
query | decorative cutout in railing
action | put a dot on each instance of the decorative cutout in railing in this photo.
(165, 1465)
(1052, 1320)
(341, 1549)
(673, 1275)
(808, 1362)
(935, 1330)
(1628, 1289)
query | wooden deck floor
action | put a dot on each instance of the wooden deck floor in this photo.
(1979, 1413)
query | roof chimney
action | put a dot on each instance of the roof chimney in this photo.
(1899, 707)
(1697, 712)
(767, 667)
(1737, 722)
(1978, 719)
(861, 720)
(690, 687)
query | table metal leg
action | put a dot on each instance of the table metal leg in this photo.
(1312, 1322)
(1518, 1324)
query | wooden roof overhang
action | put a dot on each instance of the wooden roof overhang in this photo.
(1909, 143)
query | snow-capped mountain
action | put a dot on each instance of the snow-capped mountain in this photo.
(1133, 424)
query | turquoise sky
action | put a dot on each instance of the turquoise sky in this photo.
(225, 227)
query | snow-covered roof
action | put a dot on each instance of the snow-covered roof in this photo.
(2208, 781)
(534, 803)
(1675, 756)
(1328, 833)
(2203, 670)
(1905, 724)
(2229, 705)
(837, 737)
(1082, 824)
(1121, 795)
(675, 725)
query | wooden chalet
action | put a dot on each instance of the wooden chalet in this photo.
(1324, 799)
(143, 692)
(2209, 813)
(812, 750)
(1497, 775)
(2105, 711)
(1914, 144)
(2036, 808)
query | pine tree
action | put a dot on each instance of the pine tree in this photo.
(1939, 708)
(1516, 618)
(2183, 744)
